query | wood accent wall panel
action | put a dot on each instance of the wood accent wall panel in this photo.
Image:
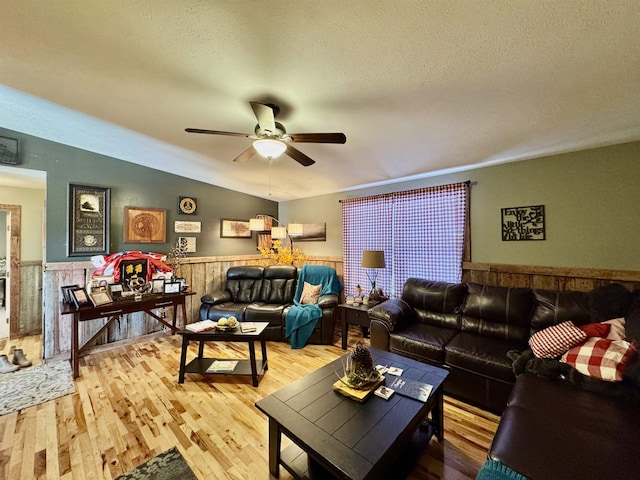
(203, 275)
(550, 278)
(30, 320)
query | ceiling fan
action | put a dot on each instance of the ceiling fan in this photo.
(272, 139)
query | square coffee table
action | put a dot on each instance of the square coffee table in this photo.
(347, 439)
(200, 364)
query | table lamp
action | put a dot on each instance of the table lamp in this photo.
(373, 259)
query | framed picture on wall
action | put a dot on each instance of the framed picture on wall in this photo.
(145, 225)
(88, 220)
(234, 228)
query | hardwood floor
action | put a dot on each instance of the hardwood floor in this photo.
(128, 407)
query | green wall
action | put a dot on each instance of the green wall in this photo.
(134, 185)
(591, 200)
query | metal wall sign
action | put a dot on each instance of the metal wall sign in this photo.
(523, 223)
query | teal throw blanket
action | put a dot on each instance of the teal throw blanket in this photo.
(494, 470)
(302, 318)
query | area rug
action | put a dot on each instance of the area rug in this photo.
(168, 465)
(34, 385)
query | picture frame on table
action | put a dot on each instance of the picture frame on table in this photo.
(157, 285)
(88, 220)
(145, 225)
(134, 271)
(79, 297)
(101, 297)
(172, 287)
(115, 290)
(65, 289)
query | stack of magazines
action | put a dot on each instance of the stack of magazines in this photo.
(201, 326)
(246, 327)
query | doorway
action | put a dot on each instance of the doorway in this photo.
(11, 295)
(23, 200)
(4, 255)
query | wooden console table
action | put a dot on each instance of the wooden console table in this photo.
(113, 311)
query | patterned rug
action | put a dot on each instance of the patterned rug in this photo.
(168, 465)
(34, 385)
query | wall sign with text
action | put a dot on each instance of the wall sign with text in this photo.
(523, 223)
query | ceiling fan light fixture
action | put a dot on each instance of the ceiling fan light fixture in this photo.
(269, 148)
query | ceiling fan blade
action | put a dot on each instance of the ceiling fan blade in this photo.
(318, 137)
(218, 132)
(298, 156)
(246, 155)
(265, 116)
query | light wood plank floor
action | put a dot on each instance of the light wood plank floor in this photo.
(129, 407)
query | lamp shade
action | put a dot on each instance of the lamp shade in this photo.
(373, 259)
(295, 229)
(256, 224)
(269, 148)
(278, 232)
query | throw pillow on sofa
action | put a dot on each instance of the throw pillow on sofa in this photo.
(601, 358)
(600, 330)
(310, 293)
(617, 331)
(553, 341)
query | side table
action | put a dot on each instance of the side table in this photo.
(355, 314)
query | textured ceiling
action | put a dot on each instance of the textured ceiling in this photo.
(418, 87)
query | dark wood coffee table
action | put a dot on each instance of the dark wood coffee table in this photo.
(342, 437)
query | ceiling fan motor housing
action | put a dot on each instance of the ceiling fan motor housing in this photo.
(280, 132)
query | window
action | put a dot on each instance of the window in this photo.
(422, 233)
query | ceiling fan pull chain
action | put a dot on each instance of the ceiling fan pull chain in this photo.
(270, 164)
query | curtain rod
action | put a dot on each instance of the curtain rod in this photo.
(467, 182)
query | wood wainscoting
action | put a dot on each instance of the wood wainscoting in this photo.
(206, 274)
(203, 275)
(550, 278)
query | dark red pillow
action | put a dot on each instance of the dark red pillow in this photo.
(600, 330)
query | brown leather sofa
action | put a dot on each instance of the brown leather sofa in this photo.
(264, 294)
(467, 328)
(557, 423)
(476, 330)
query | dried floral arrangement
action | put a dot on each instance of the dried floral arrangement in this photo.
(281, 255)
(176, 254)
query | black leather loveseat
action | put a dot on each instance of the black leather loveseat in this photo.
(264, 294)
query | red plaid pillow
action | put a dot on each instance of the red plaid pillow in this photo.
(553, 341)
(601, 358)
